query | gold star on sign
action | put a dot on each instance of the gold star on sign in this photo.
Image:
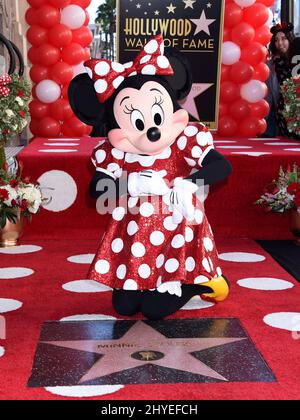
(171, 8)
(189, 3)
(147, 355)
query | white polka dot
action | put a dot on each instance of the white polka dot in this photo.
(89, 72)
(82, 258)
(102, 266)
(149, 69)
(201, 279)
(241, 257)
(211, 263)
(146, 209)
(190, 264)
(118, 213)
(198, 216)
(21, 249)
(196, 151)
(86, 317)
(2, 351)
(219, 271)
(138, 249)
(145, 59)
(144, 271)
(102, 68)
(83, 391)
(132, 228)
(190, 162)
(181, 142)
(189, 234)
(15, 272)
(162, 48)
(118, 81)
(171, 265)
(121, 271)
(177, 241)
(202, 138)
(157, 237)
(206, 265)
(196, 303)
(265, 283)
(168, 224)
(134, 73)
(117, 67)
(158, 282)
(151, 46)
(160, 261)
(130, 285)
(112, 167)
(85, 286)
(100, 86)
(118, 154)
(190, 131)
(128, 65)
(162, 62)
(7, 305)
(289, 321)
(208, 244)
(100, 156)
(117, 245)
(132, 202)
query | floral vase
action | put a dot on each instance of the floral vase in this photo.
(295, 225)
(11, 233)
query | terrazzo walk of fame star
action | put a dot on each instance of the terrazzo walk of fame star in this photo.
(145, 352)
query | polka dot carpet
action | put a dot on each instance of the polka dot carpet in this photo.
(45, 280)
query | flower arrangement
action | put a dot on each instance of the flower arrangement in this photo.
(14, 108)
(18, 197)
(291, 96)
(282, 194)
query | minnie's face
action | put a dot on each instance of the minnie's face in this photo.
(147, 121)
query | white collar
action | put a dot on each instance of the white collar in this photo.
(147, 161)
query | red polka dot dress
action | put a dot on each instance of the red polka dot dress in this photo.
(142, 248)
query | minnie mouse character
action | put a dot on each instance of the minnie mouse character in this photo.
(158, 250)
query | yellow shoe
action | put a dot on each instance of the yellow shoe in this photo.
(219, 287)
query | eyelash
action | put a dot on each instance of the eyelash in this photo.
(131, 109)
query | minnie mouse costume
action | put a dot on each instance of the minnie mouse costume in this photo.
(158, 249)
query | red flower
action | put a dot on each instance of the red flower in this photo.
(27, 180)
(297, 199)
(22, 114)
(14, 183)
(3, 194)
(271, 188)
(13, 203)
(293, 188)
(24, 204)
(2, 182)
(21, 93)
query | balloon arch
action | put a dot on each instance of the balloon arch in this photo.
(60, 37)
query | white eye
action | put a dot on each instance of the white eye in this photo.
(157, 114)
(137, 120)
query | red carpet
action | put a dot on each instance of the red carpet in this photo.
(43, 298)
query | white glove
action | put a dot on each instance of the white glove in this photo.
(181, 200)
(147, 182)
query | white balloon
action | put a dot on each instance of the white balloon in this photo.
(73, 16)
(253, 91)
(78, 69)
(231, 53)
(244, 3)
(48, 91)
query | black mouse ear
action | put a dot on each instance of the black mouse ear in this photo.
(181, 81)
(84, 101)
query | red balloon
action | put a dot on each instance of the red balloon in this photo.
(73, 54)
(73, 127)
(39, 73)
(248, 127)
(227, 126)
(82, 3)
(225, 70)
(38, 109)
(259, 109)
(61, 110)
(61, 73)
(241, 72)
(33, 92)
(263, 35)
(256, 15)
(37, 35)
(33, 55)
(229, 92)
(261, 72)
(233, 15)
(223, 109)
(48, 16)
(239, 109)
(36, 3)
(49, 127)
(48, 55)
(83, 36)
(226, 34)
(64, 92)
(267, 3)
(262, 126)
(87, 18)
(88, 130)
(60, 3)
(253, 53)
(242, 34)
(34, 126)
(60, 36)
(31, 16)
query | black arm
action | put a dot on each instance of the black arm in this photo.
(215, 168)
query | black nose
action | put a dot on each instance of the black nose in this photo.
(153, 134)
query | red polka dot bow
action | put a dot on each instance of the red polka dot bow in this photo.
(108, 75)
(4, 81)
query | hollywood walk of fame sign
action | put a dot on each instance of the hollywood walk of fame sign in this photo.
(135, 352)
(195, 28)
